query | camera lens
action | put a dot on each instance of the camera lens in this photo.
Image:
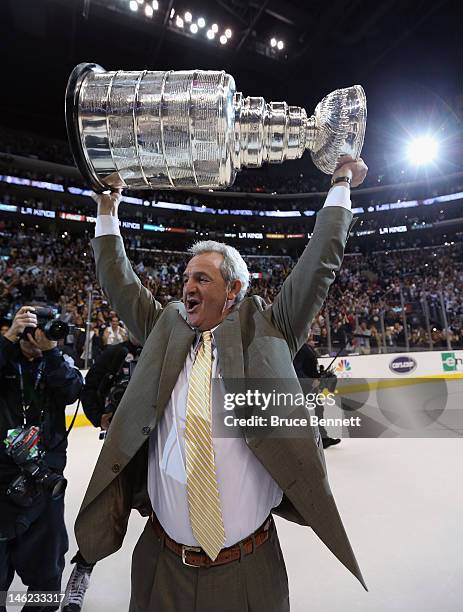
(59, 488)
(56, 330)
(55, 484)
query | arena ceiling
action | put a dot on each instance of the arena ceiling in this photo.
(405, 54)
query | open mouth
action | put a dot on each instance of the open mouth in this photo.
(192, 305)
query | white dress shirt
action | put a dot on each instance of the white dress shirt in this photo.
(114, 337)
(247, 491)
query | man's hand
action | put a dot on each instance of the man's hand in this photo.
(356, 170)
(108, 203)
(40, 341)
(25, 317)
(106, 420)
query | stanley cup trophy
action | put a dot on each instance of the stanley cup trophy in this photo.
(192, 129)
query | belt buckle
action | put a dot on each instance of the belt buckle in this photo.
(185, 549)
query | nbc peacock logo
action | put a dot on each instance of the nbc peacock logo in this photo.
(343, 369)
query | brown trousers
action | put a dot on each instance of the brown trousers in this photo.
(162, 583)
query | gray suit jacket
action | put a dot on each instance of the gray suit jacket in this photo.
(254, 341)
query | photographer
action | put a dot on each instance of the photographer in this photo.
(97, 399)
(36, 384)
(306, 366)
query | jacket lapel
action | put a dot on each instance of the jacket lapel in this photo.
(180, 341)
(230, 347)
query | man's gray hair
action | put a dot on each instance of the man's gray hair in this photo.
(233, 266)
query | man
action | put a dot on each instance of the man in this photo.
(210, 543)
(94, 347)
(362, 335)
(36, 384)
(98, 380)
(306, 366)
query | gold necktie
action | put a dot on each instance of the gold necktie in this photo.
(203, 492)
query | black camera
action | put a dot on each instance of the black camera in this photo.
(22, 445)
(119, 385)
(113, 386)
(47, 321)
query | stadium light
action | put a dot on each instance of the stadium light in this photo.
(215, 28)
(188, 17)
(194, 28)
(273, 42)
(210, 34)
(172, 13)
(179, 22)
(280, 45)
(133, 5)
(228, 33)
(201, 22)
(422, 150)
(155, 5)
(149, 10)
(223, 39)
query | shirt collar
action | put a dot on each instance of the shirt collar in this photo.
(197, 340)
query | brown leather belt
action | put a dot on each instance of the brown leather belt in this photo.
(196, 557)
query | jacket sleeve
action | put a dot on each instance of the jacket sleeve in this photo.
(7, 351)
(63, 379)
(306, 288)
(133, 303)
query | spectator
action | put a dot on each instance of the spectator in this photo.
(115, 333)
(4, 327)
(367, 289)
(362, 339)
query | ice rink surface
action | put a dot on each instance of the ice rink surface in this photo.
(401, 501)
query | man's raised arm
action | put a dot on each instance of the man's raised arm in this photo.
(305, 289)
(133, 303)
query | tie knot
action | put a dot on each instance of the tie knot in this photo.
(207, 337)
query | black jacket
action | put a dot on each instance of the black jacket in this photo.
(306, 362)
(59, 386)
(106, 365)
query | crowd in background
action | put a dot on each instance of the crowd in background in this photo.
(363, 312)
(365, 308)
